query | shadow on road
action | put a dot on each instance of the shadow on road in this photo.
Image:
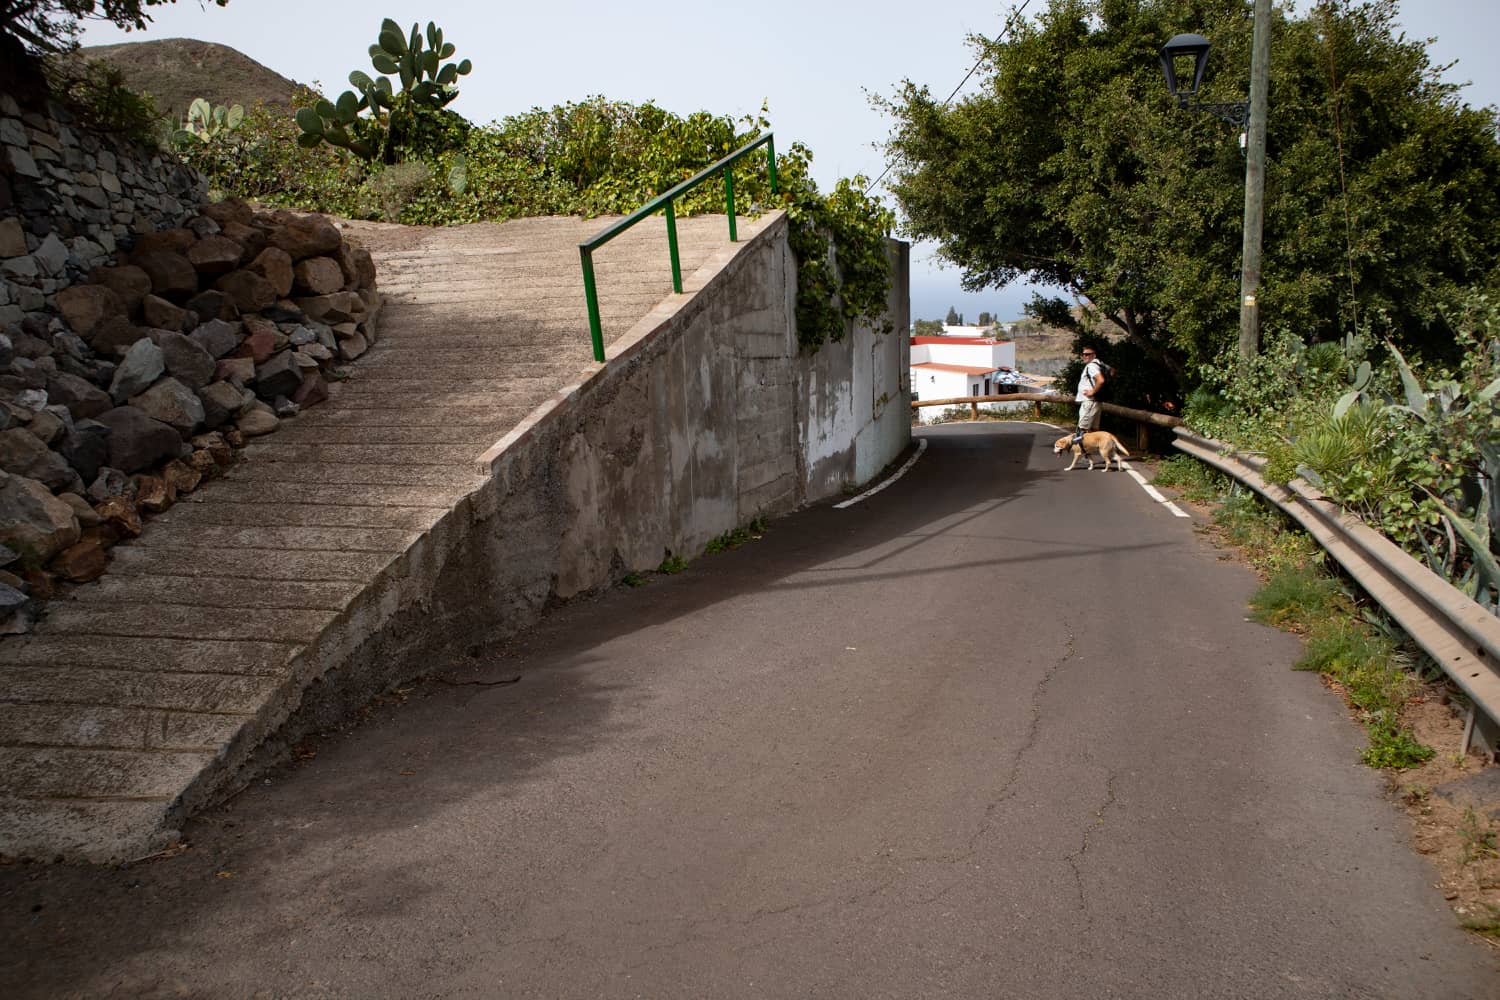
(390, 784)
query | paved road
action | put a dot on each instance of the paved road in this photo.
(999, 731)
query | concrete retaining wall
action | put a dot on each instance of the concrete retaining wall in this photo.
(706, 416)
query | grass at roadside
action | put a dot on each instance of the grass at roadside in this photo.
(1345, 639)
(735, 538)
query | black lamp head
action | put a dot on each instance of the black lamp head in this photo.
(1195, 46)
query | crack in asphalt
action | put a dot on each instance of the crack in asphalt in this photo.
(1033, 732)
(703, 930)
(1072, 859)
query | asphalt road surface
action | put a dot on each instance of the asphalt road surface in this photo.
(998, 731)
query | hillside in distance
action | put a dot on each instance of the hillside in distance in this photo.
(175, 71)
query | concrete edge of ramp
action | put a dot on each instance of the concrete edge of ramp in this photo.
(370, 644)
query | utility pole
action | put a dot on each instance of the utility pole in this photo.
(1255, 181)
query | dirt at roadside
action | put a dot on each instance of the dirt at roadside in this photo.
(1454, 803)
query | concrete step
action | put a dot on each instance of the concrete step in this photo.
(257, 471)
(222, 592)
(245, 657)
(194, 515)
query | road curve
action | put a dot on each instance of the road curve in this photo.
(997, 731)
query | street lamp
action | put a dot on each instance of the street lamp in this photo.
(1196, 47)
(1251, 113)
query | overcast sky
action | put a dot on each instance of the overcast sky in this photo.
(812, 61)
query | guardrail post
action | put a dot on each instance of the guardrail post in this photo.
(729, 199)
(672, 249)
(591, 295)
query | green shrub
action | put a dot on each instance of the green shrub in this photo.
(1412, 448)
(96, 94)
(261, 160)
(1196, 480)
(395, 187)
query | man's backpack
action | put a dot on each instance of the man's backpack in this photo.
(1106, 390)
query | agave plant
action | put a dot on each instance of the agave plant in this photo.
(1446, 402)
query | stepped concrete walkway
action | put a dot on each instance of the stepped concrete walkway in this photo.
(137, 698)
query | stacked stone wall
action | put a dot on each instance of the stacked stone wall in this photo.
(143, 338)
(70, 199)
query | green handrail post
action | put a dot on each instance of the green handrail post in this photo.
(672, 248)
(596, 330)
(729, 200)
(664, 202)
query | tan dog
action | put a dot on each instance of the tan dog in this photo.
(1105, 443)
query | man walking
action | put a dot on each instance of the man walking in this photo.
(1089, 384)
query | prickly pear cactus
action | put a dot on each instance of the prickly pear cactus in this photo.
(416, 59)
(206, 122)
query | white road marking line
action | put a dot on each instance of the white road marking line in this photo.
(1154, 493)
(921, 447)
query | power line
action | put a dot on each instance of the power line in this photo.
(1005, 31)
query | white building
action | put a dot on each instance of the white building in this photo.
(954, 367)
(968, 331)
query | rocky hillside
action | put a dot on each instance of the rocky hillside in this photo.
(175, 71)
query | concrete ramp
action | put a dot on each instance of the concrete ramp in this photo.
(144, 695)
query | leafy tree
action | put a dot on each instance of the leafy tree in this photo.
(953, 317)
(49, 25)
(985, 319)
(1073, 167)
(927, 328)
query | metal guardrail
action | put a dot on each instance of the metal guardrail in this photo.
(1459, 635)
(665, 201)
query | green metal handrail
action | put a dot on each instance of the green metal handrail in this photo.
(664, 201)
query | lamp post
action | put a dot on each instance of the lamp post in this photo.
(1251, 113)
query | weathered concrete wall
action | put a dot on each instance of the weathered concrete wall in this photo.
(706, 416)
(855, 414)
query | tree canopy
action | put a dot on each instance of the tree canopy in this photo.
(1072, 166)
(45, 25)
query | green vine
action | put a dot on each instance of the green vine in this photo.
(843, 273)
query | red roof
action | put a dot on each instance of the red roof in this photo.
(985, 341)
(933, 367)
